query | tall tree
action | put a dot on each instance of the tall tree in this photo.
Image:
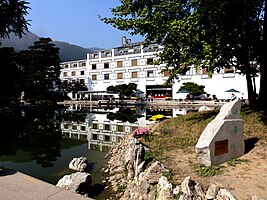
(12, 17)
(41, 66)
(201, 33)
(11, 86)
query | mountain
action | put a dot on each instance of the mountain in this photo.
(68, 52)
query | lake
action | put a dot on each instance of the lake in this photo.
(41, 142)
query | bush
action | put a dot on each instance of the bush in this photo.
(140, 132)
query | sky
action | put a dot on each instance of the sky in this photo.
(76, 22)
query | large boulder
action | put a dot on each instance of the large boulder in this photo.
(79, 182)
(78, 164)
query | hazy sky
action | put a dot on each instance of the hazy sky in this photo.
(76, 22)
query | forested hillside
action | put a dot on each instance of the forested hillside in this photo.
(67, 51)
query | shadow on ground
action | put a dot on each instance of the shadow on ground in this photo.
(250, 144)
(6, 172)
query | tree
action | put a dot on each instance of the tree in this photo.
(123, 89)
(11, 86)
(41, 65)
(193, 88)
(204, 34)
(12, 17)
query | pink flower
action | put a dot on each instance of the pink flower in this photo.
(140, 131)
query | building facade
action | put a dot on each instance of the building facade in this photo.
(133, 63)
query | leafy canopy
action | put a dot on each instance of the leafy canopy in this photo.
(12, 17)
(193, 88)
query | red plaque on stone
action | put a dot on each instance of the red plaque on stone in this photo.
(221, 147)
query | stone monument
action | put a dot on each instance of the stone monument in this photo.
(223, 138)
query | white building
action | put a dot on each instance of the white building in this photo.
(132, 63)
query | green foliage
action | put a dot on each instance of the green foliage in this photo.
(193, 88)
(203, 170)
(203, 34)
(236, 161)
(11, 85)
(124, 115)
(125, 170)
(12, 17)
(41, 66)
(123, 89)
(121, 188)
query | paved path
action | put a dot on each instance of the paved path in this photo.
(17, 186)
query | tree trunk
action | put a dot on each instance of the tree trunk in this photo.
(251, 94)
(263, 66)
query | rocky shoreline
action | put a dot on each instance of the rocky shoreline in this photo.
(131, 176)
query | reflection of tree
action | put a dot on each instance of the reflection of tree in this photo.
(124, 115)
(36, 134)
(74, 116)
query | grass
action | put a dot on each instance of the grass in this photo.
(235, 162)
(180, 134)
(205, 171)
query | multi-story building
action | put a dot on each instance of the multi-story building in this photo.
(133, 63)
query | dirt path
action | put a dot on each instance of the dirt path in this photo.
(243, 180)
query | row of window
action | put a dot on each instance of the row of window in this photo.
(95, 126)
(73, 65)
(149, 61)
(149, 74)
(108, 127)
(73, 73)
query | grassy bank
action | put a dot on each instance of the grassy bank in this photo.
(172, 141)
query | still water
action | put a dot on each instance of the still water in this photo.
(41, 142)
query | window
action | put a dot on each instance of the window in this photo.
(106, 76)
(94, 136)
(229, 69)
(83, 64)
(167, 73)
(134, 127)
(106, 65)
(65, 73)
(120, 75)
(205, 71)
(66, 126)
(134, 62)
(94, 126)
(107, 138)
(73, 73)
(94, 77)
(93, 66)
(107, 127)
(149, 61)
(150, 74)
(74, 65)
(119, 64)
(83, 128)
(134, 74)
(74, 127)
(82, 72)
(66, 66)
(120, 128)
(82, 81)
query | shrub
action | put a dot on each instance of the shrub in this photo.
(140, 132)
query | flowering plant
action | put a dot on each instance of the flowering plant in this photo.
(140, 131)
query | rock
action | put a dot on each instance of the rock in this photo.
(188, 186)
(79, 182)
(204, 108)
(164, 189)
(223, 137)
(78, 164)
(224, 194)
(212, 191)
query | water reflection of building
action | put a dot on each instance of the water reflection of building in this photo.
(101, 132)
